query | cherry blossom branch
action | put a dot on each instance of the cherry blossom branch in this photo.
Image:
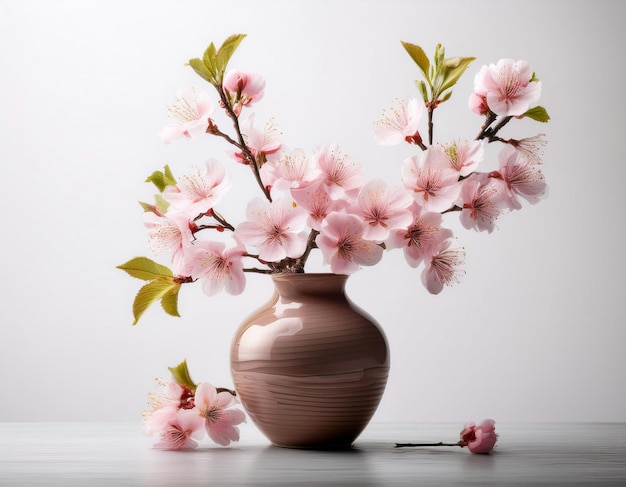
(490, 118)
(247, 154)
(258, 271)
(208, 227)
(221, 220)
(431, 109)
(440, 443)
(222, 223)
(224, 389)
(452, 208)
(214, 130)
(490, 132)
(310, 245)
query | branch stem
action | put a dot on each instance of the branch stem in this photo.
(440, 443)
(247, 154)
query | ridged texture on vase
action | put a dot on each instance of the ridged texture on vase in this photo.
(310, 367)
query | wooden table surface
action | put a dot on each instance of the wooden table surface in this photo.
(119, 454)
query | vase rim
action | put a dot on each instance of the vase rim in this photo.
(308, 276)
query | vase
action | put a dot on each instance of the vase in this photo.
(310, 367)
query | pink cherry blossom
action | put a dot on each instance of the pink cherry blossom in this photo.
(172, 394)
(276, 229)
(530, 147)
(340, 173)
(342, 245)
(480, 203)
(181, 429)
(507, 87)
(477, 103)
(400, 124)
(264, 144)
(169, 233)
(481, 438)
(191, 114)
(422, 235)
(218, 268)
(170, 398)
(433, 181)
(199, 190)
(292, 170)
(520, 177)
(244, 88)
(464, 156)
(383, 209)
(217, 413)
(442, 266)
(316, 200)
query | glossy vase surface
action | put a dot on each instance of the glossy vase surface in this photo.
(310, 367)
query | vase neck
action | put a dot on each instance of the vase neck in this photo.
(294, 286)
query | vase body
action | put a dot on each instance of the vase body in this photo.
(310, 367)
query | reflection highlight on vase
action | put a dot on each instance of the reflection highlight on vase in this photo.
(258, 342)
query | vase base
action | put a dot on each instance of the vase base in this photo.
(345, 447)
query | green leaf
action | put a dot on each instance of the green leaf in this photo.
(225, 52)
(149, 293)
(446, 97)
(419, 57)
(161, 203)
(201, 70)
(162, 179)
(147, 207)
(181, 375)
(144, 268)
(209, 58)
(422, 86)
(537, 113)
(169, 301)
(440, 54)
(452, 70)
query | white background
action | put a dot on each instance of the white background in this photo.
(534, 332)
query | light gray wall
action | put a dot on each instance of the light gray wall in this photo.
(534, 332)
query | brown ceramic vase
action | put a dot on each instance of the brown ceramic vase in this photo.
(310, 367)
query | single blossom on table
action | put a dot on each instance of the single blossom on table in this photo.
(479, 438)
(183, 412)
(181, 430)
(219, 415)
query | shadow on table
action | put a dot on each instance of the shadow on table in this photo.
(277, 466)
